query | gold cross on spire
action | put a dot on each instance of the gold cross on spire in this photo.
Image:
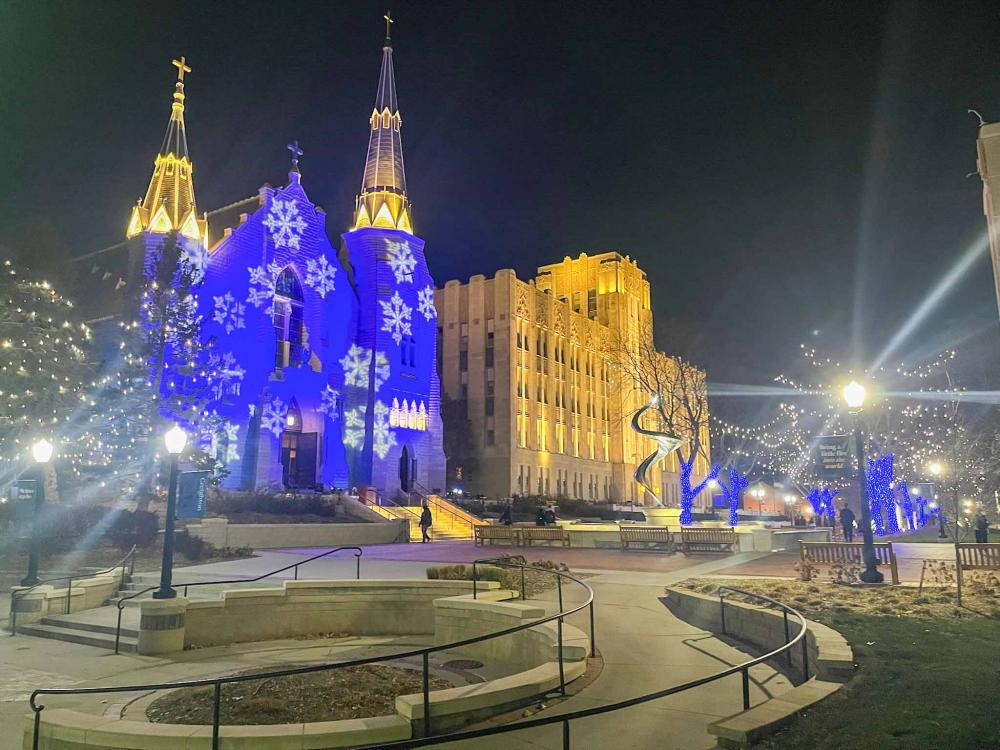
(182, 68)
(388, 24)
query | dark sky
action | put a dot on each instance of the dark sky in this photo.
(776, 168)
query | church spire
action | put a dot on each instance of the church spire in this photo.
(169, 203)
(382, 201)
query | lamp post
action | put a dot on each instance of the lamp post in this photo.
(41, 452)
(854, 395)
(175, 439)
(937, 469)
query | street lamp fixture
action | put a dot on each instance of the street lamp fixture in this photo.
(41, 453)
(175, 440)
(854, 396)
(937, 469)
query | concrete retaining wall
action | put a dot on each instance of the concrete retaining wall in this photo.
(434, 605)
(221, 533)
(86, 593)
(395, 607)
(831, 662)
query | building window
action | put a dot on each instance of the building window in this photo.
(408, 351)
(463, 361)
(287, 320)
(489, 406)
(490, 437)
(489, 349)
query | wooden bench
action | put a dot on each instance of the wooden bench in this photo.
(659, 535)
(510, 534)
(831, 553)
(971, 556)
(544, 534)
(707, 540)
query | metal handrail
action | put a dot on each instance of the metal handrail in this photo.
(121, 602)
(18, 594)
(565, 718)
(424, 653)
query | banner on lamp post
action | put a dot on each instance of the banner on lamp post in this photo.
(833, 456)
(192, 487)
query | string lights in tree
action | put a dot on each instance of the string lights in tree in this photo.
(44, 374)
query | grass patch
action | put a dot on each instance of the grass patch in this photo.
(536, 582)
(348, 693)
(927, 671)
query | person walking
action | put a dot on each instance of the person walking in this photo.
(426, 521)
(847, 519)
(982, 528)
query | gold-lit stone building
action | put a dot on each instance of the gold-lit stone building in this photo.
(988, 152)
(531, 364)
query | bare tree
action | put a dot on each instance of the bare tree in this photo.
(678, 392)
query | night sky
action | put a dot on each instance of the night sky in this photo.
(778, 169)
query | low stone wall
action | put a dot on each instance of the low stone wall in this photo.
(831, 662)
(433, 607)
(298, 608)
(459, 618)
(64, 729)
(87, 593)
(221, 533)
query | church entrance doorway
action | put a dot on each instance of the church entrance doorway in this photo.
(298, 452)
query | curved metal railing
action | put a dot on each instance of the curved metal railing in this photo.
(564, 719)
(18, 594)
(424, 653)
(294, 566)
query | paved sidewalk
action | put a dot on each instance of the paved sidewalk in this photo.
(644, 647)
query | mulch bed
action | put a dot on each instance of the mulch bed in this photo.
(348, 693)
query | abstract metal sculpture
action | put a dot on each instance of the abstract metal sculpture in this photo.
(665, 445)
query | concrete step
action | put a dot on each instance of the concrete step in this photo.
(68, 623)
(73, 635)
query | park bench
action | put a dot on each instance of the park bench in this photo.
(645, 535)
(832, 553)
(970, 557)
(510, 534)
(544, 534)
(707, 540)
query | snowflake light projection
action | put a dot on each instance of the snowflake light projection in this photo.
(354, 427)
(401, 261)
(225, 375)
(194, 260)
(328, 402)
(285, 223)
(382, 437)
(261, 289)
(222, 443)
(229, 313)
(356, 364)
(425, 302)
(320, 275)
(273, 416)
(396, 316)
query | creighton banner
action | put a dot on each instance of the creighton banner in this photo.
(192, 486)
(833, 456)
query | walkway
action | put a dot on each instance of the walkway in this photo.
(643, 645)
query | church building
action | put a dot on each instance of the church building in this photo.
(320, 357)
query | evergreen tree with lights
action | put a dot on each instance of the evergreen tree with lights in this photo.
(158, 377)
(44, 373)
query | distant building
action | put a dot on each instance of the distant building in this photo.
(988, 161)
(527, 364)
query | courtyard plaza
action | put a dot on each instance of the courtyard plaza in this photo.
(642, 645)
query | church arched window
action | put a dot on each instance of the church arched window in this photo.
(287, 319)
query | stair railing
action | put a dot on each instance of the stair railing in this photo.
(294, 566)
(126, 563)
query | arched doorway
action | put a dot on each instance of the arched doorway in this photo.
(407, 470)
(298, 451)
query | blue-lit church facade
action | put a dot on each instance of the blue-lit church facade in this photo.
(321, 363)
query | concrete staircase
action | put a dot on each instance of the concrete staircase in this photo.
(95, 627)
(450, 521)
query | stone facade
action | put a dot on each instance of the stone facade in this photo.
(530, 364)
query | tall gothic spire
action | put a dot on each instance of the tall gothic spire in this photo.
(382, 201)
(169, 203)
